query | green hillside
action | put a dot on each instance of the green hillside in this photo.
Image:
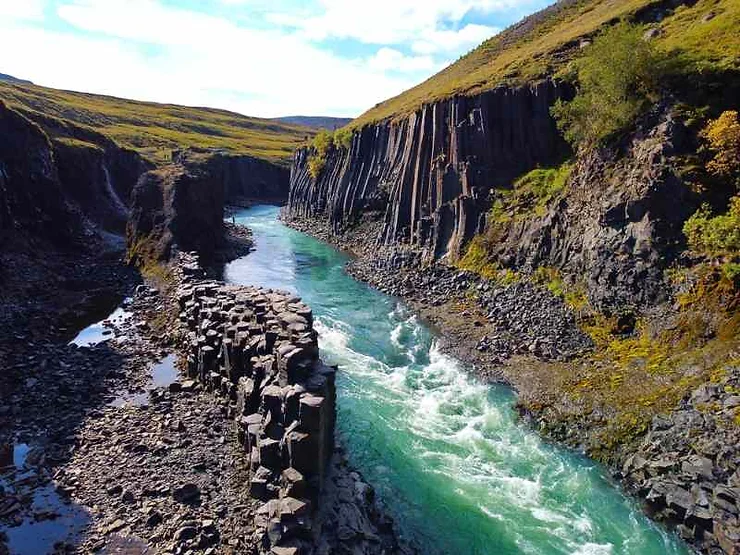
(705, 34)
(154, 130)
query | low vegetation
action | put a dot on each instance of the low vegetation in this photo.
(715, 235)
(723, 137)
(154, 130)
(618, 78)
(573, 294)
(529, 197)
(322, 144)
(703, 37)
(718, 235)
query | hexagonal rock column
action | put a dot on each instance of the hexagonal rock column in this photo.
(257, 348)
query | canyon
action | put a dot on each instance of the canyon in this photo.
(457, 320)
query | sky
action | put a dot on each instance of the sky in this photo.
(263, 58)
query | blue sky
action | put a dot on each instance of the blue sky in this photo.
(258, 57)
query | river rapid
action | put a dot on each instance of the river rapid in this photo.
(444, 451)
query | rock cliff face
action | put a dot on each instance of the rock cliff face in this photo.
(31, 197)
(432, 179)
(55, 189)
(430, 175)
(181, 206)
(99, 179)
(250, 179)
(618, 224)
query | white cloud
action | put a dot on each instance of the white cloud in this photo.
(199, 60)
(394, 21)
(432, 41)
(389, 59)
(146, 50)
(21, 9)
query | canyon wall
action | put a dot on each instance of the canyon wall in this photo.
(617, 225)
(60, 189)
(428, 183)
(430, 174)
(31, 196)
(249, 180)
(180, 205)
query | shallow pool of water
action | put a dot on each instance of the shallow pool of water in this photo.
(446, 453)
(101, 331)
(49, 519)
(163, 374)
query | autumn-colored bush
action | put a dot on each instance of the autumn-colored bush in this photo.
(723, 136)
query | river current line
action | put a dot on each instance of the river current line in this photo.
(456, 470)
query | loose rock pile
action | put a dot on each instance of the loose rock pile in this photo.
(258, 349)
(521, 318)
(687, 467)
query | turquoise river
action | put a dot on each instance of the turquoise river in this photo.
(445, 452)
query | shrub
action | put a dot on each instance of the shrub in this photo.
(322, 142)
(321, 145)
(343, 138)
(617, 77)
(315, 166)
(723, 136)
(714, 236)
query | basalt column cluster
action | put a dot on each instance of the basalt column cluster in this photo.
(258, 349)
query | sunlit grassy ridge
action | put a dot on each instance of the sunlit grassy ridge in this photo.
(704, 34)
(154, 130)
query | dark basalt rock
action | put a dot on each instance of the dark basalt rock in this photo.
(249, 180)
(618, 225)
(430, 174)
(31, 196)
(181, 204)
(429, 181)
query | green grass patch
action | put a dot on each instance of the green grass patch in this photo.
(154, 130)
(545, 43)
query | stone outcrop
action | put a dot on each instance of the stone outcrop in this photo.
(258, 349)
(60, 188)
(99, 178)
(617, 226)
(429, 176)
(181, 205)
(32, 201)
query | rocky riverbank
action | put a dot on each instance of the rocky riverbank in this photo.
(110, 447)
(683, 464)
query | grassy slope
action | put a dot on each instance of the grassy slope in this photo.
(543, 44)
(154, 130)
